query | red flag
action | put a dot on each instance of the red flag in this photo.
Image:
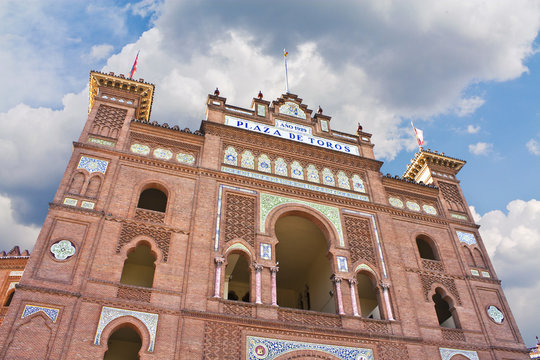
(419, 135)
(134, 67)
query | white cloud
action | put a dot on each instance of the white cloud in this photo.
(512, 240)
(472, 129)
(469, 105)
(481, 148)
(533, 146)
(14, 233)
(98, 52)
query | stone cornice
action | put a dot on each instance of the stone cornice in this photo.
(424, 157)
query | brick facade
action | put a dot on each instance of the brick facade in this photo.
(226, 186)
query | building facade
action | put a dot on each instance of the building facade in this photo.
(266, 234)
(12, 266)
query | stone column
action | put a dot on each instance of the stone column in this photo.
(337, 282)
(352, 287)
(273, 271)
(386, 296)
(219, 260)
(258, 269)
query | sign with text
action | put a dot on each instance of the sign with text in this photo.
(291, 134)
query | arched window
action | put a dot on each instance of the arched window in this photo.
(123, 344)
(468, 256)
(368, 296)
(237, 277)
(303, 280)
(76, 183)
(446, 313)
(479, 258)
(153, 199)
(139, 267)
(93, 187)
(426, 248)
(9, 298)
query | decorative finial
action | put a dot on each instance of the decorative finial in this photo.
(260, 95)
(319, 110)
(359, 129)
(216, 92)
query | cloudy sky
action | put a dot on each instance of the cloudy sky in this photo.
(467, 72)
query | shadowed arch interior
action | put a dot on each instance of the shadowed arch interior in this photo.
(237, 277)
(303, 280)
(445, 312)
(139, 267)
(426, 248)
(153, 199)
(123, 344)
(367, 296)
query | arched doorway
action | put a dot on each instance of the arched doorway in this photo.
(303, 280)
(237, 277)
(123, 344)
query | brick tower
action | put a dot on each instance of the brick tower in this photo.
(264, 235)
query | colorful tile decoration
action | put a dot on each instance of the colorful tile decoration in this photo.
(395, 202)
(358, 184)
(411, 205)
(495, 314)
(16, 273)
(109, 314)
(269, 202)
(248, 160)
(342, 264)
(475, 272)
(280, 167)
(446, 354)
(140, 149)
(458, 216)
(261, 110)
(266, 251)
(428, 209)
(258, 348)
(324, 125)
(185, 158)
(343, 180)
(292, 109)
(328, 177)
(163, 154)
(92, 165)
(70, 201)
(312, 173)
(364, 267)
(377, 238)
(466, 237)
(264, 164)
(231, 156)
(51, 313)
(101, 142)
(87, 205)
(485, 274)
(296, 170)
(63, 249)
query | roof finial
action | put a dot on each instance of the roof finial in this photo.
(260, 95)
(216, 92)
(359, 129)
(319, 110)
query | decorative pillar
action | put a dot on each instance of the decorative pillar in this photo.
(352, 288)
(258, 269)
(219, 260)
(385, 287)
(273, 271)
(337, 282)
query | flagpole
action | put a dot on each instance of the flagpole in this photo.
(286, 72)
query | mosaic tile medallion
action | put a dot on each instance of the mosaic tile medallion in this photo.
(342, 264)
(264, 164)
(343, 181)
(109, 314)
(466, 237)
(259, 348)
(358, 184)
(63, 249)
(296, 170)
(280, 167)
(328, 177)
(292, 109)
(395, 202)
(163, 154)
(51, 313)
(411, 205)
(185, 158)
(446, 354)
(92, 165)
(140, 149)
(312, 174)
(495, 314)
(248, 160)
(428, 209)
(231, 156)
(266, 251)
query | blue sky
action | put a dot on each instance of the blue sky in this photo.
(466, 72)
